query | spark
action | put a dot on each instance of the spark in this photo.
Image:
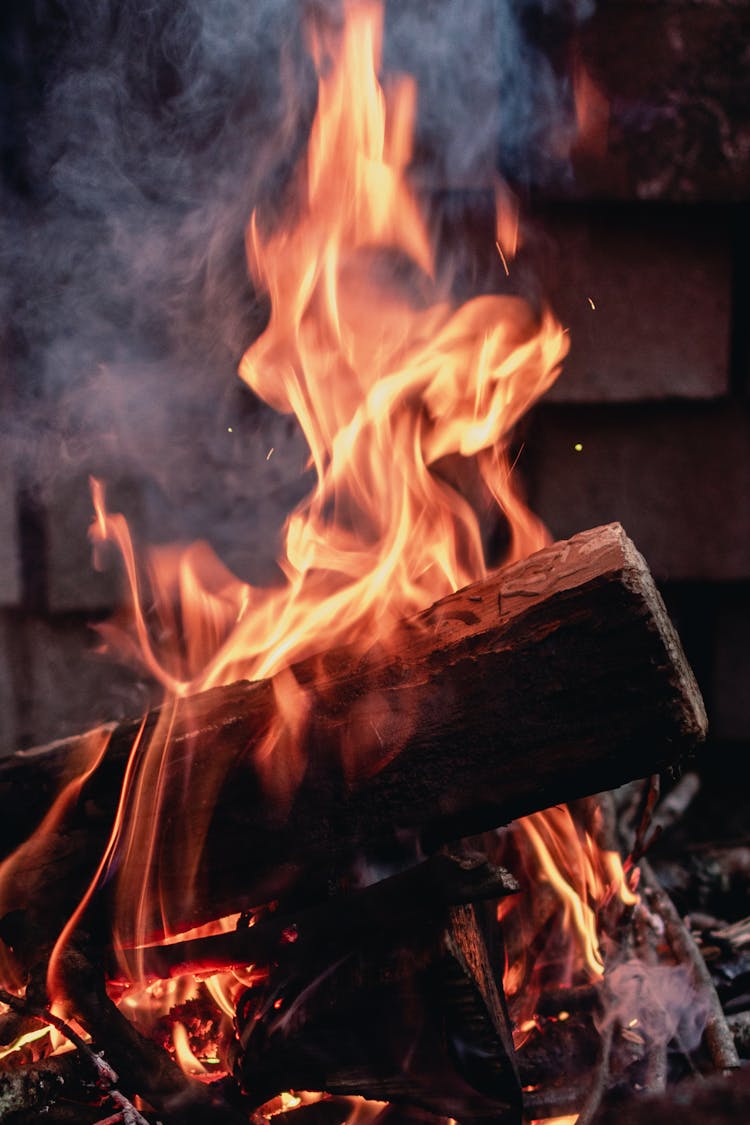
(502, 258)
(591, 302)
(578, 447)
(268, 455)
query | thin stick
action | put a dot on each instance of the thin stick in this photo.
(718, 1037)
(675, 805)
(655, 1062)
(438, 882)
(106, 1076)
(648, 802)
(599, 1084)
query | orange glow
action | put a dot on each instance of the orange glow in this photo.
(189, 1062)
(568, 1119)
(387, 402)
(400, 393)
(24, 1040)
(592, 115)
(17, 870)
(506, 225)
(559, 947)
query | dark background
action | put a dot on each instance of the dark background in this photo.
(136, 138)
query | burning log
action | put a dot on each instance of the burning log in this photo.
(339, 924)
(554, 678)
(449, 1050)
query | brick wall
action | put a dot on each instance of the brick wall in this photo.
(644, 254)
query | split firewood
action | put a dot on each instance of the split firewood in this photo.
(555, 1100)
(339, 924)
(419, 1023)
(144, 1068)
(560, 1047)
(552, 679)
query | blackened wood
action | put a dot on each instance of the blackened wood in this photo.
(338, 924)
(143, 1067)
(718, 1101)
(739, 1025)
(420, 1023)
(38, 1086)
(554, 678)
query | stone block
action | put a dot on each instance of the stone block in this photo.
(10, 559)
(646, 295)
(63, 684)
(675, 77)
(8, 732)
(677, 477)
(73, 584)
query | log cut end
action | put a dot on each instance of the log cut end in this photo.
(689, 709)
(592, 556)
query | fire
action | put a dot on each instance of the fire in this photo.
(399, 394)
(394, 404)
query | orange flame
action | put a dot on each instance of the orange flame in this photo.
(400, 394)
(393, 386)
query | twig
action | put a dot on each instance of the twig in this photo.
(106, 1076)
(649, 798)
(143, 1064)
(26, 1008)
(737, 934)
(655, 1061)
(553, 1101)
(675, 805)
(340, 923)
(718, 1037)
(601, 1077)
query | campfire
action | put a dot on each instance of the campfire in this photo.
(380, 852)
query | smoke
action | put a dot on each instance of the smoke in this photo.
(495, 87)
(137, 138)
(656, 1004)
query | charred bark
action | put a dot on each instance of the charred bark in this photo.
(419, 1022)
(557, 677)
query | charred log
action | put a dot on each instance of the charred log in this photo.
(554, 678)
(338, 925)
(720, 1101)
(420, 1023)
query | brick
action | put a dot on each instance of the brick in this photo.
(453, 52)
(677, 477)
(675, 76)
(8, 729)
(660, 284)
(72, 582)
(730, 718)
(10, 562)
(64, 685)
